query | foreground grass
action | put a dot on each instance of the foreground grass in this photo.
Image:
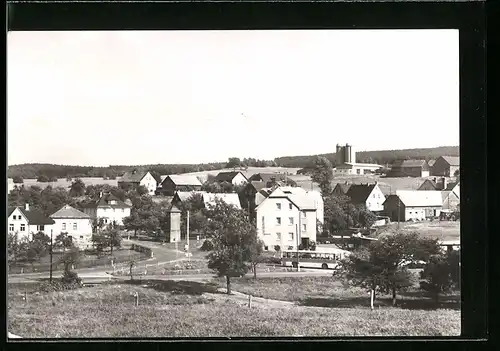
(328, 292)
(188, 309)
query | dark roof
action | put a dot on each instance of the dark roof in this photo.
(344, 187)
(409, 163)
(431, 182)
(452, 160)
(105, 200)
(359, 193)
(134, 176)
(258, 185)
(268, 177)
(34, 216)
(226, 176)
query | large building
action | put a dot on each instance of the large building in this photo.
(287, 217)
(446, 166)
(178, 182)
(345, 162)
(414, 205)
(409, 168)
(110, 208)
(138, 178)
(77, 224)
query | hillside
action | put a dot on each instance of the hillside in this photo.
(381, 157)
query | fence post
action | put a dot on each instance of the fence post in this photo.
(249, 301)
(25, 296)
(136, 296)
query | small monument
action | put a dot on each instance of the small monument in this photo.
(175, 224)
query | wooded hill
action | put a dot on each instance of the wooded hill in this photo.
(381, 157)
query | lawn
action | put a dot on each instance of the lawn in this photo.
(62, 182)
(442, 230)
(188, 309)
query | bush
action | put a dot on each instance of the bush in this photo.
(69, 281)
(207, 246)
(277, 248)
(18, 180)
(71, 278)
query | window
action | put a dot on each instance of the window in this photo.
(278, 220)
(373, 195)
(278, 236)
(75, 226)
(290, 206)
(290, 220)
(11, 227)
(278, 206)
(23, 227)
(304, 227)
(266, 248)
(81, 236)
(41, 227)
(64, 226)
(123, 210)
(290, 236)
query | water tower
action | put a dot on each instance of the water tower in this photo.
(347, 151)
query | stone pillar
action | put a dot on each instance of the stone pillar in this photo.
(175, 224)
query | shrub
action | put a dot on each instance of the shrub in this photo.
(18, 180)
(71, 278)
(69, 281)
(277, 248)
(207, 246)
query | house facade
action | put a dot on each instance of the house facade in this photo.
(287, 219)
(179, 182)
(408, 205)
(446, 166)
(110, 208)
(409, 168)
(24, 222)
(234, 178)
(369, 195)
(138, 178)
(77, 224)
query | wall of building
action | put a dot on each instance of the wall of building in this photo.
(285, 233)
(18, 225)
(239, 179)
(443, 169)
(375, 201)
(150, 183)
(113, 214)
(452, 202)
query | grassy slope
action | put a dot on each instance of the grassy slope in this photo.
(109, 311)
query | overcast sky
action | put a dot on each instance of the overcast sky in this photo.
(139, 97)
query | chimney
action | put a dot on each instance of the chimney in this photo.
(444, 183)
(27, 207)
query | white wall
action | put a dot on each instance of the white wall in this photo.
(113, 214)
(376, 200)
(239, 179)
(81, 236)
(150, 183)
(414, 213)
(16, 225)
(268, 228)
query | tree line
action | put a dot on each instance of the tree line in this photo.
(381, 157)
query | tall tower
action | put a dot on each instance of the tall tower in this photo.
(339, 155)
(353, 155)
(348, 153)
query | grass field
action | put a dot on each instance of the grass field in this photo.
(248, 172)
(442, 230)
(189, 309)
(62, 182)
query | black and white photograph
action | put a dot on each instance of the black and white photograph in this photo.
(233, 183)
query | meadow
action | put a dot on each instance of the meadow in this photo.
(189, 309)
(62, 182)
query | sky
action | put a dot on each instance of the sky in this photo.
(149, 97)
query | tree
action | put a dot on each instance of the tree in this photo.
(142, 190)
(63, 241)
(233, 162)
(232, 236)
(69, 178)
(440, 274)
(70, 259)
(42, 179)
(323, 174)
(133, 222)
(131, 265)
(77, 188)
(18, 180)
(114, 238)
(256, 249)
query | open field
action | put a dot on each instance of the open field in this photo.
(248, 172)
(62, 182)
(442, 230)
(189, 309)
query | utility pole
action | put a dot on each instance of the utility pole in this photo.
(187, 232)
(51, 247)
(399, 201)
(297, 230)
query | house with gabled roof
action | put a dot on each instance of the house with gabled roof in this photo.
(369, 195)
(409, 168)
(208, 198)
(271, 179)
(288, 216)
(341, 189)
(108, 207)
(235, 178)
(136, 178)
(24, 222)
(446, 166)
(75, 223)
(408, 205)
(179, 182)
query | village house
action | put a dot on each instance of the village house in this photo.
(137, 178)
(288, 217)
(446, 166)
(408, 205)
(409, 168)
(108, 207)
(270, 179)
(24, 222)
(179, 182)
(77, 224)
(250, 192)
(235, 178)
(369, 195)
(440, 184)
(451, 201)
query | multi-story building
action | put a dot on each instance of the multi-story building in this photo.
(446, 166)
(75, 223)
(178, 182)
(24, 222)
(138, 178)
(108, 207)
(369, 195)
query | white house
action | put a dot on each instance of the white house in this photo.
(287, 217)
(235, 178)
(110, 208)
(25, 222)
(369, 195)
(77, 224)
(137, 178)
